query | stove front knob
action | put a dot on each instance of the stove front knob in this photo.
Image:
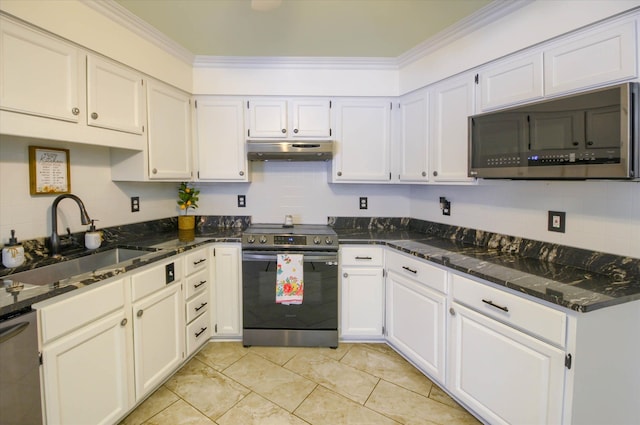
(328, 240)
(263, 239)
(251, 239)
(316, 240)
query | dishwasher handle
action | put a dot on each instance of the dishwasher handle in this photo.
(11, 331)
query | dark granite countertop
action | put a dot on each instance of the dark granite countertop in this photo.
(568, 286)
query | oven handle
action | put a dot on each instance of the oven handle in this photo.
(308, 256)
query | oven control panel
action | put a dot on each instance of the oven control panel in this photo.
(289, 240)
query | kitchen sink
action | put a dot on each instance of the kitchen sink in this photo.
(78, 266)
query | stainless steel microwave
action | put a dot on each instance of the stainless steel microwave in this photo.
(590, 135)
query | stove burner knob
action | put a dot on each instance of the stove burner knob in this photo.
(328, 240)
(251, 239)
(316, 240)
(263, 239)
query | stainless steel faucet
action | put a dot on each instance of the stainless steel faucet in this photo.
(54, 243)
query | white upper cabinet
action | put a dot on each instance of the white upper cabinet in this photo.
(412, 147)
(363, 136)
(115, 96)
(510, 81)
(169, 144)
(283, 118)
(591, 57)
(38, 74)
(452, 103)
(220, 141)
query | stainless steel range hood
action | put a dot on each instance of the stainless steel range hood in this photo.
(289, 150)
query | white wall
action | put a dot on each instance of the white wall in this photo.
(301, 189)
(601, 215)
(105, 200)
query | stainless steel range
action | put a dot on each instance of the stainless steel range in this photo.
(285, 305)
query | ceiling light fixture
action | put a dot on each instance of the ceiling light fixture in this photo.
(264, 5)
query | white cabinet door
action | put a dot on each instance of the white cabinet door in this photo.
(504, 375)
(413, 138)
(311, 118)
(267, 118)
(226, 297)
(451, 105)
(416, 323)
(87, 374)
(158, 337)
(115, 96)
(511, 81)
(362, 303)
(220, 140)
(38, 74)
(591, 57)
(363, 137)
(169, 144)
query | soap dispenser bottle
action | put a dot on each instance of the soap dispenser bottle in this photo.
(93, 238)
(13, 252)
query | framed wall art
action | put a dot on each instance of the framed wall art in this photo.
(49, 171)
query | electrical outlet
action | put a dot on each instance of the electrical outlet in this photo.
(556, 221)
(135, 203)
(364, 203)
(242, 201)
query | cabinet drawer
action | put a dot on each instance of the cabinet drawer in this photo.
(197, 306)
(197, 260)
(421, 271)
(198, 333)
(197, 283)
(533, 318)
(361, 256)
(76, 311)
(155, 278)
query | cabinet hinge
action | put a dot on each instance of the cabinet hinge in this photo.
(40, 357)
(389, 176)
(248, 133)
(247, 104)
(329, 104)
(198, 175)
(215, 328)
(567, 361)
(384, 331)
(329, 132)
(476, 79)
(214, 252)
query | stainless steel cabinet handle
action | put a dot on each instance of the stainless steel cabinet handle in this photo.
(201, 331)
(197, 285)
(140, 313)
(75, 111)
(123, 322)
(345, 275)
(495, 305)
(201, 307)
(94, 115)
(410, 270)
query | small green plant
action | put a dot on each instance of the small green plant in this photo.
(187, 197)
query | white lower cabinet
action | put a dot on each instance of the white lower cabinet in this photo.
(88, 370)
(362, 293)
(226, 295)
(416, 304)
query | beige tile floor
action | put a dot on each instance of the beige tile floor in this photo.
(367, 384)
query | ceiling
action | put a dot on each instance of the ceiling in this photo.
(301, 28)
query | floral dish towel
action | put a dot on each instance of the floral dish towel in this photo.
(289, 279)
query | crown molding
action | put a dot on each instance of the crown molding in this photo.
(124, 17)
(483, 17)
(295, 62)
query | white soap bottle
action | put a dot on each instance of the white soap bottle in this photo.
(93, 238)
(13, 252)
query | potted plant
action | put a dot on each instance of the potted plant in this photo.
(187, 199)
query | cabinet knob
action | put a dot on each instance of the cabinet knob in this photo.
(241, 173)
(452, 311)
(295, 130)
(590, 143)
(154, 171)
(575, 143)
(339, 173)
(140, 313)
(424, 174)
(94, 115)
(435, 173)
(75, 111)
(284, 130)
(345, 275)
(123, 322)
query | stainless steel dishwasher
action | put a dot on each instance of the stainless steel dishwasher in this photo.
(19, 371)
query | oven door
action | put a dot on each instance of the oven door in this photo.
(319, 308)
